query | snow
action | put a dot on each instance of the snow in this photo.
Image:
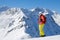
(16, 34)
(46, 38)
(22, 24)
(32, 9)
(56, 17)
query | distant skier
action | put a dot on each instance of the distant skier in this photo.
(42, 21)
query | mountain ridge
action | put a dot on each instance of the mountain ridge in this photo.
(25, 22)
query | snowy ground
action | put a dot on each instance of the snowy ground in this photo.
(46, 38)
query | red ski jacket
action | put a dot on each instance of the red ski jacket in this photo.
(42, 19)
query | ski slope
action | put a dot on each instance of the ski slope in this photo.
(20, 23)
(46, 38)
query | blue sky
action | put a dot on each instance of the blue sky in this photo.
(50, 4)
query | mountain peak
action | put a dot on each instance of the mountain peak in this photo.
(3, 8)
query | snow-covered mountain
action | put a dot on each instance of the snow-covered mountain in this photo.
(20, 23)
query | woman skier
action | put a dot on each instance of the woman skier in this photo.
(42, 21)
